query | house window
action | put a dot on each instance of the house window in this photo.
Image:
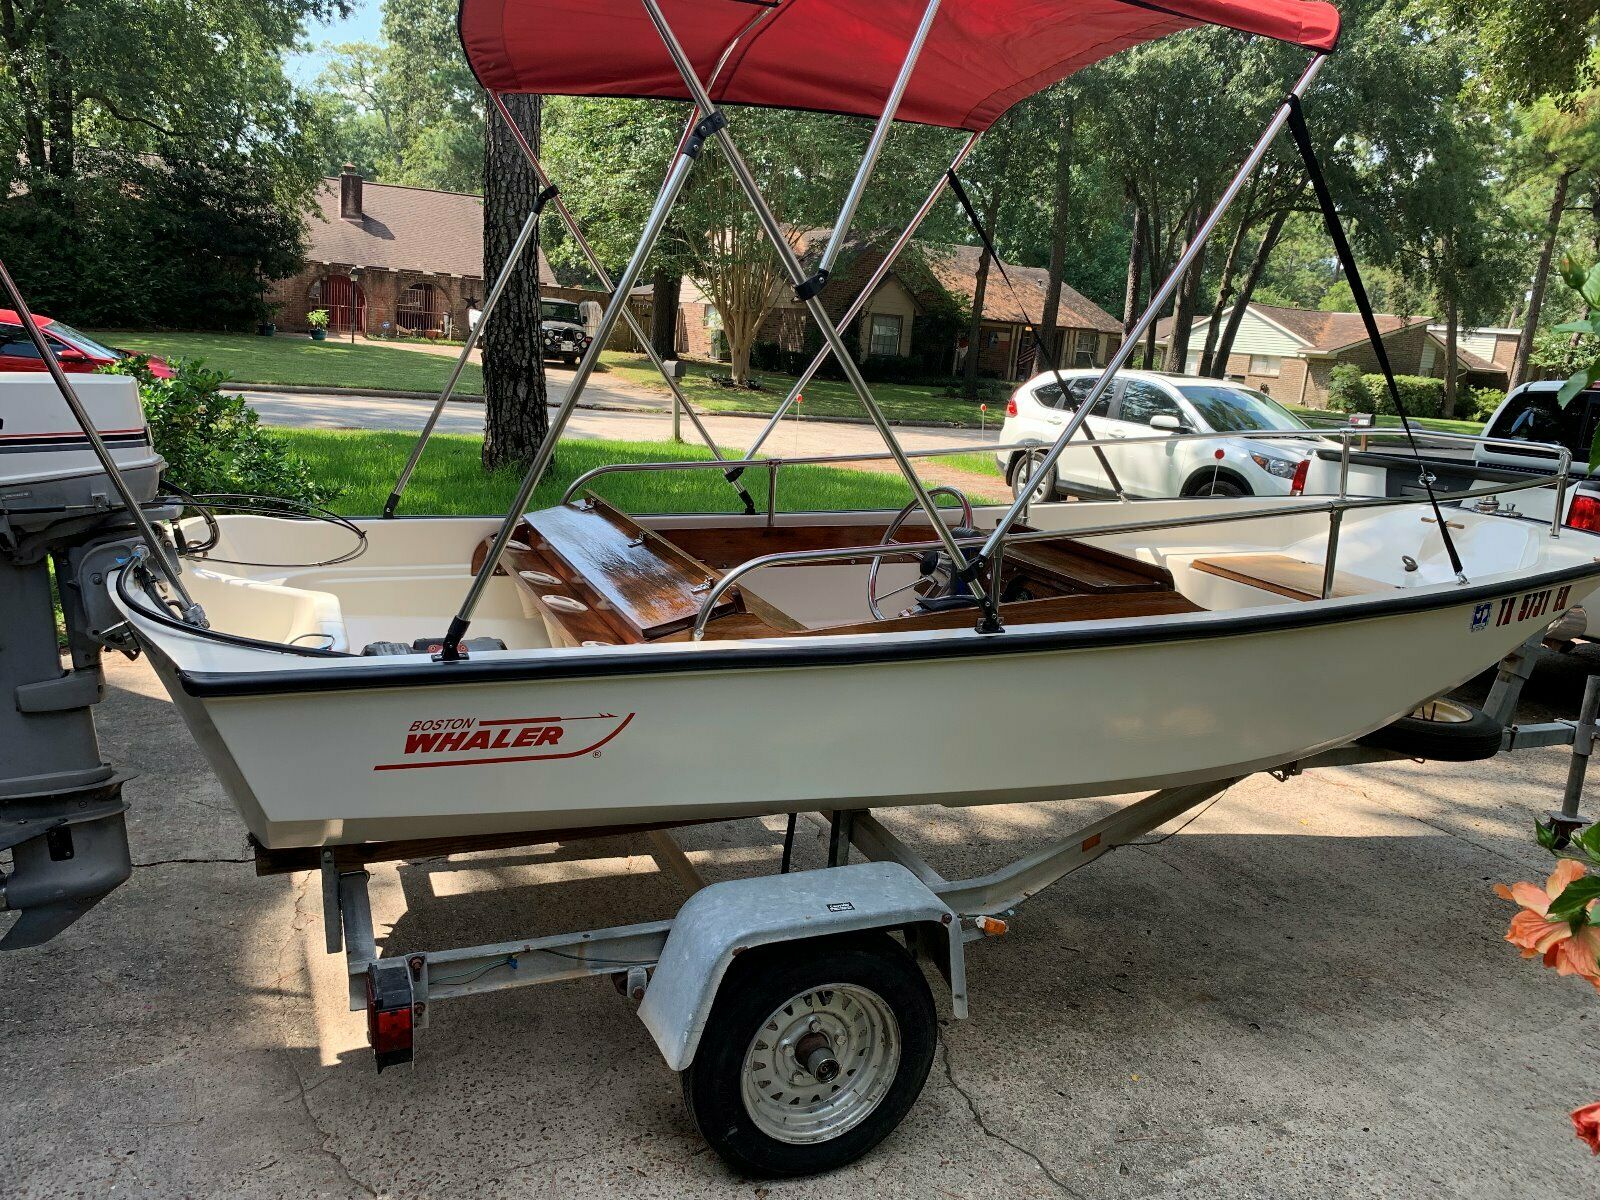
(1084, 355)
(710, 317)
(1270, 365)
(885, 342)
(1429, 356)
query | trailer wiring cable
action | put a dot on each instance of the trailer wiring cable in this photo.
(208, 504)
(510, 960)
(1168, 836)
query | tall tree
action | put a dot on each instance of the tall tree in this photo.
(516, 418)
(121, 118)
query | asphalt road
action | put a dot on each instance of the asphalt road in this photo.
(1304, 993)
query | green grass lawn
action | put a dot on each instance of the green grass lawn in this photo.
(449, 480)
(978, 463)
(822, 397)
(300, 361)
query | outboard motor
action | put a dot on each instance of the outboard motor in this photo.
(61, 808)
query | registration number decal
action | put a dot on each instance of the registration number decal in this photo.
(1529, 606)
(472, 742)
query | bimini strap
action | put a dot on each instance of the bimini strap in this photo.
(1038, 341)
(1358, 291)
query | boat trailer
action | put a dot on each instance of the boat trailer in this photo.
(889, 905)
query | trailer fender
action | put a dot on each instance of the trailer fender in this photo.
(725, 919)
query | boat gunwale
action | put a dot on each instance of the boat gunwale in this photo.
(825, 650)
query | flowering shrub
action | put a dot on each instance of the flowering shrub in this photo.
(1558, 925)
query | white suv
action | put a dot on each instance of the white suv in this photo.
(1149, 404)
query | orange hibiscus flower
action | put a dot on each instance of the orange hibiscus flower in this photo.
(1533, 931)
(1586, 1123)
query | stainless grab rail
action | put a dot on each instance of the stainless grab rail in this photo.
(1337, 506)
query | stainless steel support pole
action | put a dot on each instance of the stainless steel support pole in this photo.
(880, 134)
(680, 402)
(1561, 496)
(1163, 295)
(192, 612)
(1344, 466)
(860, 302)
(591, 357)
(524, 236)
(797, 277)
(1578, 765)
(1335, 516)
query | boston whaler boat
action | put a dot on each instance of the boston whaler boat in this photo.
(367, 687)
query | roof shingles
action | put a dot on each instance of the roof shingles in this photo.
(404, 229)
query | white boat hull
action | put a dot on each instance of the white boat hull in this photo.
(358, 750)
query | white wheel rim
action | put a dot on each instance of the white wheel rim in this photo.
(1444, 712)
(786, 1102)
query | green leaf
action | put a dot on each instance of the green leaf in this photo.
(1594, 451)
(1545, 831)
(1591, 286)
(1577, 327)
(1573, 272)
(1574, 899)
(1588, 840)
(1572, 387)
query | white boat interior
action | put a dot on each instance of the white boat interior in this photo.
(586, 576)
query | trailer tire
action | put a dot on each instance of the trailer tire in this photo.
(1443, 730)
(863, 992)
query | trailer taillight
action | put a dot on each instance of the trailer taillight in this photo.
(390, 1026)
(1297, 485)
(1584, 513)
(1011, 407)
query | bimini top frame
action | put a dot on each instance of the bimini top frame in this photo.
(1006, 53)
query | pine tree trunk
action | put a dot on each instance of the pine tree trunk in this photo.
(664, 287)
(1452, 366)
(516, 419)
(1136, 251)
(974, 329)
(1247, 289)
(1541, 279)
(1050, 352)
(1230, 268)
(1187, 300)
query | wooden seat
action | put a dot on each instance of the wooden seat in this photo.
(1115, 606)
(1080, 567)
(597, 576)
(1286, 576)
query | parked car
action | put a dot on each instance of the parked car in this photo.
(1149, 404)
(73, 350)
(562, 331)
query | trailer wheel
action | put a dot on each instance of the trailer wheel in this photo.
(813, 1053)
(1443, 730)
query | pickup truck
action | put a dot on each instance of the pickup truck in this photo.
(1520, 436)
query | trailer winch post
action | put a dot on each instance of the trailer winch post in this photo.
(1566, 820)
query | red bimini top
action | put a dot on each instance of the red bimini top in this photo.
(842, 56)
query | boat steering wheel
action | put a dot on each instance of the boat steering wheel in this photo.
(936, 571)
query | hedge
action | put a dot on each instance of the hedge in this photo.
(1351, 391)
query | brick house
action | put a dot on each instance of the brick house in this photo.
(1290, 353)
(937, 279)
(384, 259)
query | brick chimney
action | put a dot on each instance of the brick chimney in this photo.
(350, 193)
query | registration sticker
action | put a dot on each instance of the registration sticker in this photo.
(1480, 617)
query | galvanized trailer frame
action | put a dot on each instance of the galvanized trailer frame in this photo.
(671, 969)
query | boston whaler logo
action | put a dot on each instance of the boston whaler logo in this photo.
(468, 741)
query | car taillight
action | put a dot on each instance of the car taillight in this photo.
(1297, 485)
(1584, 513)
(1011, 407)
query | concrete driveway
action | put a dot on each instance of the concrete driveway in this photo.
(1305, 993)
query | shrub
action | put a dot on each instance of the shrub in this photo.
(213, 441)
(317, 318)
(1478, 404)
(1348, 391)
(1351, 391)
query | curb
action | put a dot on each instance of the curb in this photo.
(295, 389)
